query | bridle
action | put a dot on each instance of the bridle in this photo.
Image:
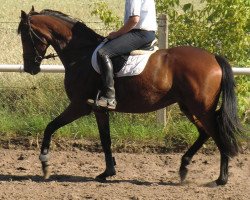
(38, 58)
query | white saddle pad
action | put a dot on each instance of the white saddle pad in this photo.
(134, 65)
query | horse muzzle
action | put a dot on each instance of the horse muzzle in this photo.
(32, 70)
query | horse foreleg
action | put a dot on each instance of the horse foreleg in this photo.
(186, 158)
(102, 118)
(71, 113)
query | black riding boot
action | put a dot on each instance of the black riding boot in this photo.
(107, 99)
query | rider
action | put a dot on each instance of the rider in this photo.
(138, 29)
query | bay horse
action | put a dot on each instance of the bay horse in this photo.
(191, 77)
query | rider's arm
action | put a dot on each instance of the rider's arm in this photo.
(129, 25)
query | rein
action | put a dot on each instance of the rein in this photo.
(38, 57)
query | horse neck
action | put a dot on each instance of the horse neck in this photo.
(56, 32)
(73, 42)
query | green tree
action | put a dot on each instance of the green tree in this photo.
(221, 26)
(109, 19)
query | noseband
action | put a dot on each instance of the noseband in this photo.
(38, 57)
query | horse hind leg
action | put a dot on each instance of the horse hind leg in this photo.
(187, 157)
(211, 126)
(224, 160)
(223, 177)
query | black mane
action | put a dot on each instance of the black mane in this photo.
(59, 15)
(81, 26)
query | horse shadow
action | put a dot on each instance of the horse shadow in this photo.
(79, 179)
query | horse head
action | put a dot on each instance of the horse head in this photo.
(34, 43)
(48, 27)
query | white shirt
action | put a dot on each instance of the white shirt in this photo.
(145, 9)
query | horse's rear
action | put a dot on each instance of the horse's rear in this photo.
(199, 78)
(183, 74)
(195, 79)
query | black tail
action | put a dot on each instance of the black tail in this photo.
(228, 122)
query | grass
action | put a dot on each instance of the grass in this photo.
(27, 109)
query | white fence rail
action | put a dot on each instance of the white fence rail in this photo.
(160, 115)
(20, 68)
(241, 71)
(60, 69)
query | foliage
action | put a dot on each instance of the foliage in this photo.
(243, 91)
(221, 26)
(109, 19)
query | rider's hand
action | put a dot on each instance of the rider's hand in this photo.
(113, 35)
(129, 25)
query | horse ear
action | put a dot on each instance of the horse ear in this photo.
(23, 15)
(32, 9)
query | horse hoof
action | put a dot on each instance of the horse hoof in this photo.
(221, 182)
(102, 177)
(46, 170)
(183, 174)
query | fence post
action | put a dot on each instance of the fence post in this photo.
(163, 44)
